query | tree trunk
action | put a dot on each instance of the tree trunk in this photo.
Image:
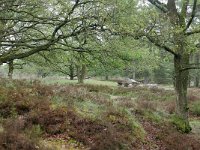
(10, 69)
(81, 72)
(133, 75)
(78, 72)
(197, 71)
(197, 80)
(181, 83)
(106, 77)
(71, 72)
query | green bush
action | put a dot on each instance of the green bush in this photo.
(180, 124)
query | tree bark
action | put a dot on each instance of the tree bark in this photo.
(10, 69)
(81, 72)
(181, 83)
(197, 80)
(133, 75)
(197, 71)
(78, 72)
(71, 72)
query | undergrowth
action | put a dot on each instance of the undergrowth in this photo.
(98, 117)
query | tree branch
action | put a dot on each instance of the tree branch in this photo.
(191, 66)
(159, 5)
(184, 8)
(161, 46)
(192, 15)
(195, 31)
(66, 19)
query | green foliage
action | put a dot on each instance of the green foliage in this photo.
(180, 124)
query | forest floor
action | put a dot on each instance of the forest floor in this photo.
(58, 116)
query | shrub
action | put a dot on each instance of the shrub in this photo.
(13, 137)
(23, 98)
(178, 141)
(52, 121)
(147, 105)
(169, 106)
(20, 106)
(7, 109)
(98, 88)
(180, 124)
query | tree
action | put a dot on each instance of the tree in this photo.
(10, 69)
(179, 28)
(170, 26)
(27, 29)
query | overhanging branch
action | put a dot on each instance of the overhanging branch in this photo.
(161, 46)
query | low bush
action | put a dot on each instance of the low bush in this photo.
(20, 105)
(52, 121)
(13, 137)
(180, 124)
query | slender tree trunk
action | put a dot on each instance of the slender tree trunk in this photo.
(197, 80)
(81, 72)
(71, 70)
(133, 75)
(106, 77)
(146, 77)
(181, 83)
(197, 71)
(78, 73)
(10, 69)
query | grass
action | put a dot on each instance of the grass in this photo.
(62, 81)
(89, 109)
(195, 124)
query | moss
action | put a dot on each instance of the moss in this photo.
(180, 124)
